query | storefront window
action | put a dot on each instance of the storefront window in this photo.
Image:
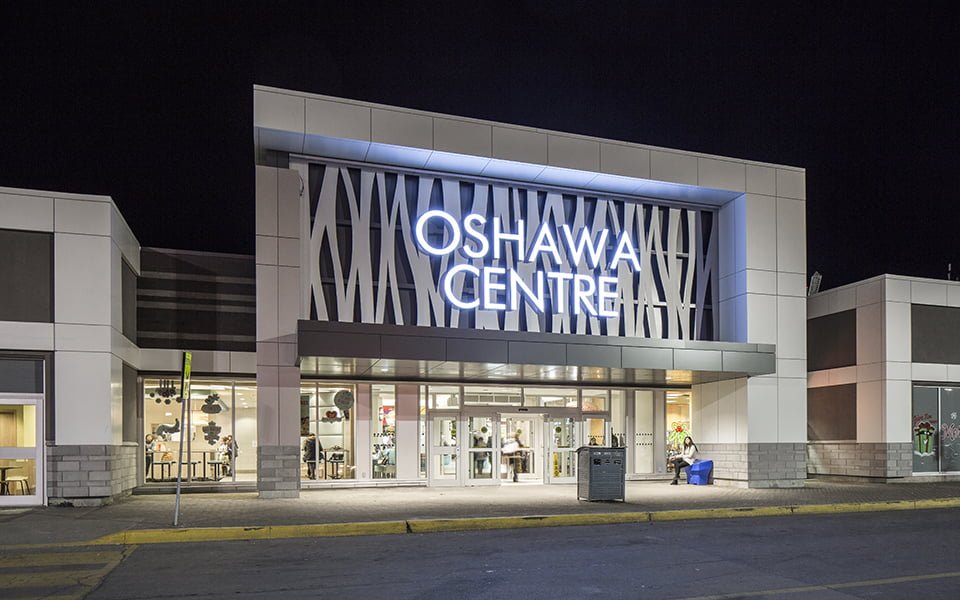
(327, 431)
(618, 418)
(422, 428)
(383, 432)
(936, 429)
(218, 437)
(595, 431)
(594, 400)
(550, 397)
(678, 420)
(444, 396)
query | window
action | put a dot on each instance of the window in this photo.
(218, 437)
(27, 275)
(443, 396)
(327, 420)
(383, 432)
(550, 397)
(491, 396)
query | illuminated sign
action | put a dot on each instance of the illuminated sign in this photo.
(495, 287)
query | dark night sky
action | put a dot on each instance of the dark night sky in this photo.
(153, 106)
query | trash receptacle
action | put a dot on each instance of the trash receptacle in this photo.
(601, 473)
(700, 472)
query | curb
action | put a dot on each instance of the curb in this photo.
(421, 526)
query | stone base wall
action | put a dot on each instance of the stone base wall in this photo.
(766, 465)
(278, 471)
(90, 475)
(777, 465)
(729, 462)
(859, 459)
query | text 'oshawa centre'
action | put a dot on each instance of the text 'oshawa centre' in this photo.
(426, 287)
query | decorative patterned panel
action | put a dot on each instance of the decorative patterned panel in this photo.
(367, 264)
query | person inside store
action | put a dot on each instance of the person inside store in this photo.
(149, 446)
(511, 451)
(228, 451)
(312, 454)
(688, 456)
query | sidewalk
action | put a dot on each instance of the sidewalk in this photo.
(421, 506)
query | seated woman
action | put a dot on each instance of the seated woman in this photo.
(687, 457)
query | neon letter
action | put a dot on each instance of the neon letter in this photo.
(625, 250)
(448, 287)
(517, 284)
(483, 246)
(575, 249)
(560, 296)
(544, 242)
(499, 236)
(422, 237)
(607, 294)
(582, 296)
(489, 285)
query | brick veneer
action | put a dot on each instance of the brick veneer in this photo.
(857, 459)
(90, 475)
(278, 471)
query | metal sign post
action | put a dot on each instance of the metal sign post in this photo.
(184, 427)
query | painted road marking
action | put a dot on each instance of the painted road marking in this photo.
(803, 589)
(57, 575)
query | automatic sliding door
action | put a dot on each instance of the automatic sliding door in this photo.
(562, 436)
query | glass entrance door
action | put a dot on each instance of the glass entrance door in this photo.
(482, 442)
(563, 440)
(444, 455)
(521, 446)
(21, 449)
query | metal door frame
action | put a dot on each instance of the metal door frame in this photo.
(39, 497)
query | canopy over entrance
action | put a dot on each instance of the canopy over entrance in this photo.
(411, 353)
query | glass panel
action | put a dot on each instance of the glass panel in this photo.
(445, 465)
(18, 476)
(211, 450)
(595, 430)
(481, 432)
(445, 432)
(422, 425)
(521, 439)
(245, 415)
(18, 426)
(949, 429)
(618, 418)
(481, 465)
(595, 400)
(925, 426)
(311, 454)
(564, 464)
(551, 397)
(491, 396)
(678, 420)
(444, 396)
(643, 432)
(161, 426)
(384, 431)
(333, 424)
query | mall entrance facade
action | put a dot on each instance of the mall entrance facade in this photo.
(475, 435)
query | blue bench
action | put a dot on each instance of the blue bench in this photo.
(700, 473)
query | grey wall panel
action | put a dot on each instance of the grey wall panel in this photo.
(583, 355)
(647, 358)
(26, 272)
(196, 263)
(748, 362)
(536, 353)
(131, 397)
(21, 375)
(698, 360)
(832, 413)
(410, 347)
(483, 351)
(832, 341)
(128, 284)
(935, 334)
